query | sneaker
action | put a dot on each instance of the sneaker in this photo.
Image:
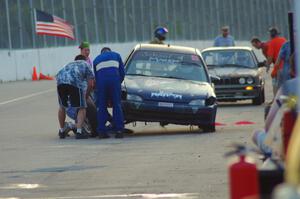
(119, 134)
(81, 136)
(62, 135)
(103, 136)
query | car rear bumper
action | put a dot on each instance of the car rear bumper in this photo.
(236, 93)
(179, 114)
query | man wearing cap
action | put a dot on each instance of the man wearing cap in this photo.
(274, 46)
(85, 51)
(109, 72)
(225, 39)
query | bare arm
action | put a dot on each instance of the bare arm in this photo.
(269, 62)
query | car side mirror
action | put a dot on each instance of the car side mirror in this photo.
(261, 64)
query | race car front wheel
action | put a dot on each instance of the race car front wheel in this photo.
(208, 128)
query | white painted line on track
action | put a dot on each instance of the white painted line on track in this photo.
(26, 96)
(143, 195)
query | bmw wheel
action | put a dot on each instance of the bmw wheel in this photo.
(260, 98)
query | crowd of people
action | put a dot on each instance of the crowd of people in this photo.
(97, 83)
(277, 52)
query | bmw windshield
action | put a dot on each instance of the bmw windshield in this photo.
(167, 65)
(224, 58)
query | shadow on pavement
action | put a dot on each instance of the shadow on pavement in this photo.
(236, 104)
(140, 133)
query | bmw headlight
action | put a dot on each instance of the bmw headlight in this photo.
(250, 80)
(132, 97)
(198, 102)
(242, 80)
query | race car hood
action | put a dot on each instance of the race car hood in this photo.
(167, 89)
(232, 71)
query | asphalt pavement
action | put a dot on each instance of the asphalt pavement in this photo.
(153, 162)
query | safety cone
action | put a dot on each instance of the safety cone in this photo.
(45, 77)
(34, 74)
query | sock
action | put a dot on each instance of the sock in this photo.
(64, 128)
(79, 131)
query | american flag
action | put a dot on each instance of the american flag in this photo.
(47, 24)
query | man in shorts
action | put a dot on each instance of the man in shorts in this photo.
(74, 83)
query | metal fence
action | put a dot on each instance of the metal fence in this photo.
(111, 21)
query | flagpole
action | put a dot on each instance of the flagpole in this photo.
(37, 46)
(9, 36)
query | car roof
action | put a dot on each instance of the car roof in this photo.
(167, 48)
(227, 48)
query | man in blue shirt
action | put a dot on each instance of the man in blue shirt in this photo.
(109, 72)
(225, 39)
(74, 82)
(284, 55)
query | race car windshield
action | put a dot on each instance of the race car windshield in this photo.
(167, 65)
(229, 58)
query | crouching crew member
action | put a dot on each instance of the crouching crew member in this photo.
(109, 73)
(72, 90)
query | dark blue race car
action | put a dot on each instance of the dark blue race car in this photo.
(168, 84)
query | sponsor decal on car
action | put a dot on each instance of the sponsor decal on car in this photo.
(165, 95)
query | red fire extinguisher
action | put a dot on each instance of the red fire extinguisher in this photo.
(243, 177)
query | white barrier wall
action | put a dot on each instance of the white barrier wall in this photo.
(18, 64)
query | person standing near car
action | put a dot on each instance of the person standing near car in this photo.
(284, 56)
(259, 45)
(74, 83)
(109, 73)
(274, 46)
(225, 39)
(159, 35)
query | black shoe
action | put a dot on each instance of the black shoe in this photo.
(62, 135)
(81, 136)
(119, 134)
(103, 136)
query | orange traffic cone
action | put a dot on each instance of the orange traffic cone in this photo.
(34, 74)
(45, 77)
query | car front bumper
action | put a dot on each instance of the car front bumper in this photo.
(184, 114)
(232, 92)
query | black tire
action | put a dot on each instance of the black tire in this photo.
(210, 128)
(91, 114)
(259, 99)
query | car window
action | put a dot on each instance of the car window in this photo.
(240, 58)
(167, 64)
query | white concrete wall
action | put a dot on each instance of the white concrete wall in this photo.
(18, 64)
